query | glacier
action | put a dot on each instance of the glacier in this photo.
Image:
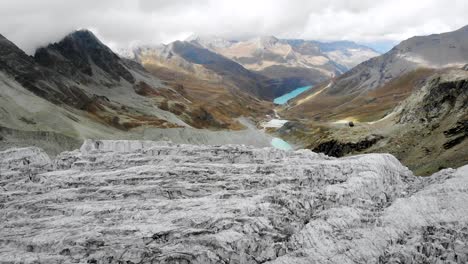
(160, 202)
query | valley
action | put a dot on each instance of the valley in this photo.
(183, 86)
(199, 132)
(390, 104)
(206, 89)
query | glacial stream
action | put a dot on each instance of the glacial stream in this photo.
(277, 122)
(280, 144)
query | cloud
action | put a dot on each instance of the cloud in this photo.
(32, 23)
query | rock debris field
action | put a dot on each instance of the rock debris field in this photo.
(160, 202)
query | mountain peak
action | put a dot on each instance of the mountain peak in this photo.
(210, 41)
(84, 38)
(266, 41)
(80, 48)
(464, 28)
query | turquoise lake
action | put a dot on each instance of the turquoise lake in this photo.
(280, 144)
(285, 97)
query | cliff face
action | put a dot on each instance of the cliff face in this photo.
(157, 202)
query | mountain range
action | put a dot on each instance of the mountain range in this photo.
(414, 95)
(271, 67)
(79, 88)
(178, 153)
(407, 100)
(294, 60)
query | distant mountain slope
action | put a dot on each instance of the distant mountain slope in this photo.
(265, 67)
(347, 53)
(411, 102)
(79, 88)
(386, 79)
(293, 62)
(204, 63)
(227, 69)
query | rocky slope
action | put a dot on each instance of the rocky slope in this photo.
(410, 102)
(78, 88)
(266, 67)
(427, 131)
(219, 86)
(209, 66)
(264, 52)
(291, 62)
(82, 76)
(379, 84)
(157, 202)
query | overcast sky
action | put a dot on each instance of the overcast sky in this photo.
(119, 23)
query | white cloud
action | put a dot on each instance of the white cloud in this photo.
(31, 23)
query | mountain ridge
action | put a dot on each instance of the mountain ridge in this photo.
(414, 109)
(93, 93)
(283, 76)
(377, 72)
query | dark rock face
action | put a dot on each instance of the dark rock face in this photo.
(339, 149)
(41, 81)
(12, 59)
(441, 98)
(456, 134)
(460, 128)
(56, 71)
(54, 60)
(78, 51)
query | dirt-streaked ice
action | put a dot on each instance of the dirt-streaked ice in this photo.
(160, 202)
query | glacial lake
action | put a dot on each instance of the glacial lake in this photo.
(285, 97)
(280, 144)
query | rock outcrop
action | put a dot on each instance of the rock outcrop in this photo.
(158, 202)
(335, 148)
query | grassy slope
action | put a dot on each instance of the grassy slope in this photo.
(368, 106)
(225, 103)
(418, 146)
